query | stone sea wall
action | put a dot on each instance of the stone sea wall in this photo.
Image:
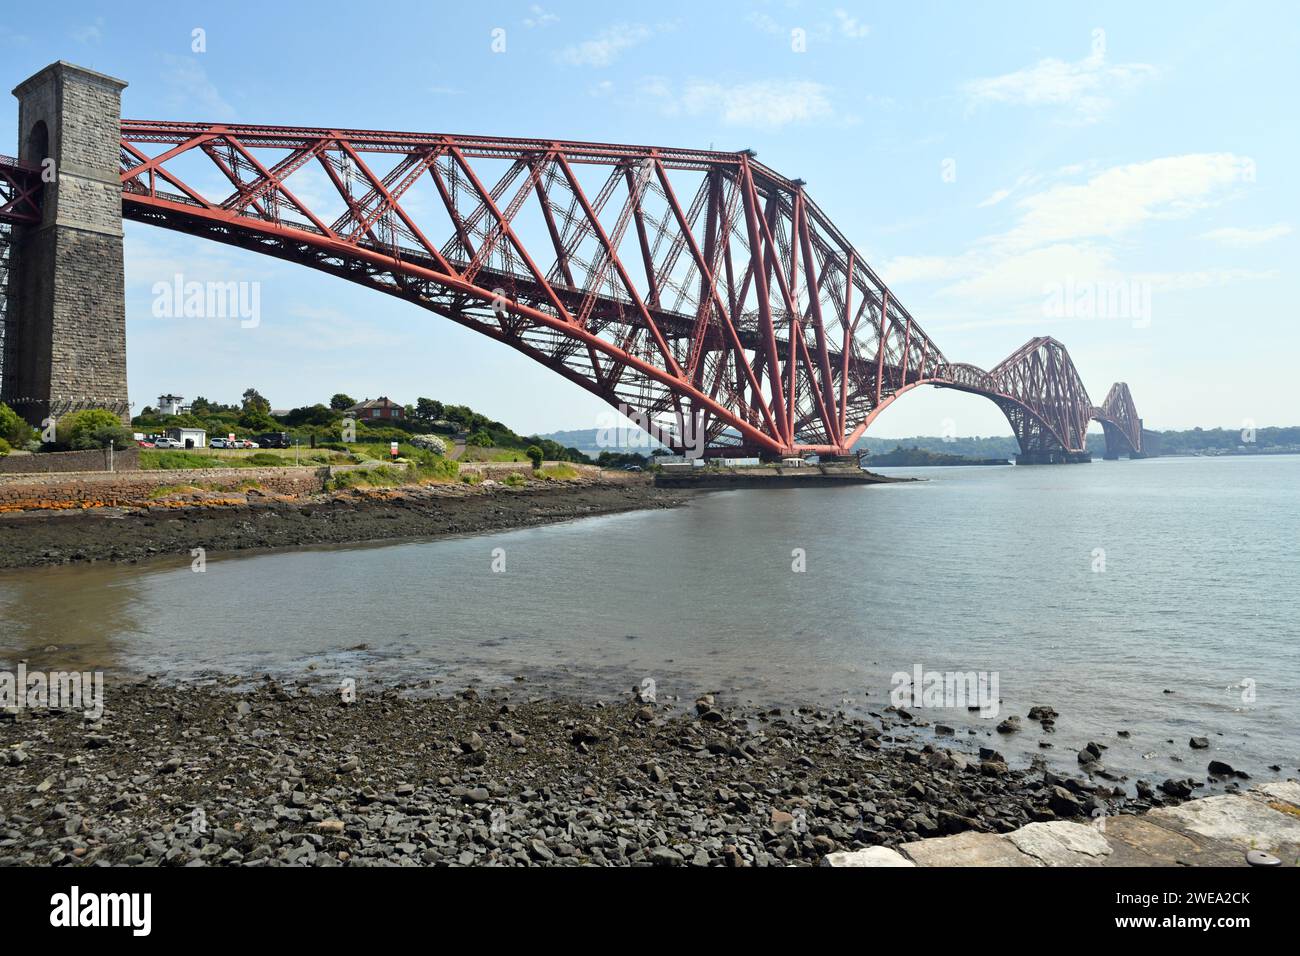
(95, 459)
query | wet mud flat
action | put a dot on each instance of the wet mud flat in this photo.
(254, 520)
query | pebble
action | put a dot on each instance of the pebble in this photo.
(578, 784)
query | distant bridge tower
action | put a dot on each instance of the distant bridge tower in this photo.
(65, 335)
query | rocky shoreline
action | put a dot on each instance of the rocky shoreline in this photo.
(277, 774)
(249, 520)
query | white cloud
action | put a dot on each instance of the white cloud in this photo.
(1076, 231)
(153, 255)
(537, 17)
(1021, 277)
(1237, 236)
(91, 32)
(843, 24)
(927, 268)
(604, 48)
(996, 197)
(1085, 88)
(1204, 278)
(764, 23)
(1119, 199)
(190, 89)
(850, 26)
(766, 104)
(1000, 194)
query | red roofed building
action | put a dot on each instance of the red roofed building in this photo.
(381, 409)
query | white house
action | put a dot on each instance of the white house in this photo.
(171, 405)
(188, 437)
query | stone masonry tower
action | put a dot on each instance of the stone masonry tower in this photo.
(65, 345)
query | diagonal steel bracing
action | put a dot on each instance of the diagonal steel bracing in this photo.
(696, 290)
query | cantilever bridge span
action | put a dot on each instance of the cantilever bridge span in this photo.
(698, 291)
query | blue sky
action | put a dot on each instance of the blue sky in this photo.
(996, 163)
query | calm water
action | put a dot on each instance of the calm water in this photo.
(983, 569)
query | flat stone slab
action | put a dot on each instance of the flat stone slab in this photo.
(872, 856)
(1287, 791)
(1061, 843)
(1242, 821)
(968, 849)
(1210, 831)
(1137, 841)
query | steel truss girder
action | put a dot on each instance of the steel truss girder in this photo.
(699, 286)
(1119, 419)
(20, 191)
(695, 284)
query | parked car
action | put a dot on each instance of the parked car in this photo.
(144, 443)
(632, 468)
(220, 443)
(273, 440)
(167, 443)
(245, 443)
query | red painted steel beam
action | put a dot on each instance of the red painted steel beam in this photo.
(724, 298)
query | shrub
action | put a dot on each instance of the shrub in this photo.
(480, 439)
(5, 448)
(254, 420)
(384, 476)
(430, 443)
(437, 469)
(514, 479)
(13, 429)
(535, 455)
(92, 428)
(560, 472)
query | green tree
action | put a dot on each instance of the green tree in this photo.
(12, 427)
(186, 421)
(342, 402)
(253, 401)
(92, 428)
(535, 455)
(480, 439)
(310, 415)
(258, 421)
(428, 410)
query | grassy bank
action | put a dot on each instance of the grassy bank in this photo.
(162, 459)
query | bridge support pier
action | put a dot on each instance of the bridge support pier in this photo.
(1053, 457)
(65, 335)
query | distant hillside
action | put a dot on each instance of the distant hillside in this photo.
(1195, 441)
(587, 440)
(994, 446)
(592, 441)
(920, 458)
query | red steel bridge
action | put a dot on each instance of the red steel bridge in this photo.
(701, 293)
